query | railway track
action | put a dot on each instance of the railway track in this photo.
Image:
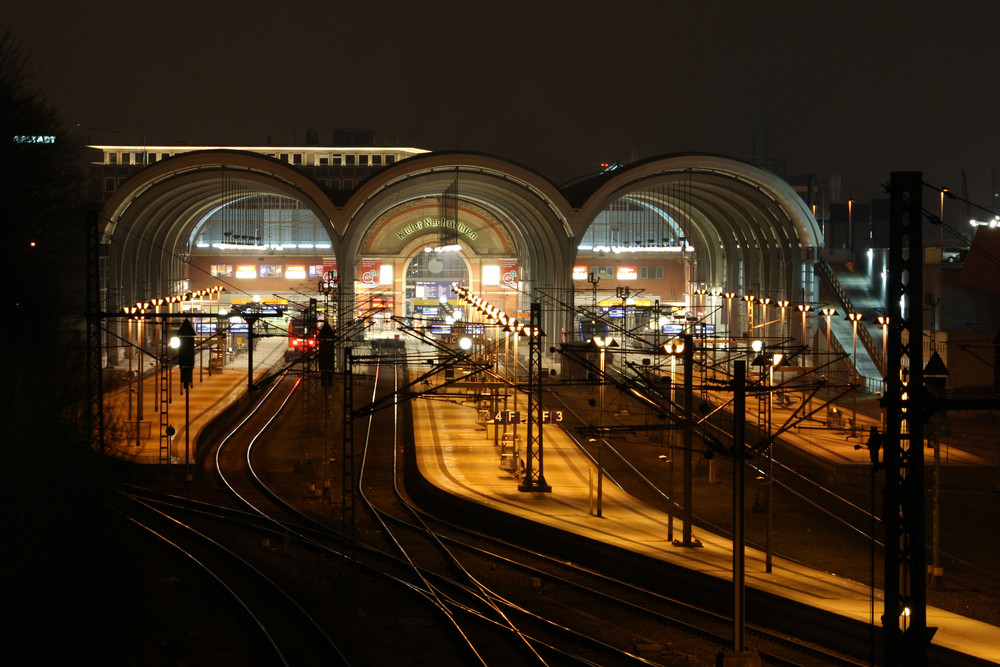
(435, 587)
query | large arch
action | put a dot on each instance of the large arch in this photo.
(147, 223)
(750, 232)
(527, 211)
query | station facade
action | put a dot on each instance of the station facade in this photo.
(650, 245)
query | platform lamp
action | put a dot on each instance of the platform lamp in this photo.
(513, 328)
(764, 301)
(828, 313)
(804, 308)
(749, 298)
(854, 318)
(729, 315)
(783, 304)
(685, 349)
(603, 343)
(768, 361)
(883, 321)
(701, 292)
(673, 349)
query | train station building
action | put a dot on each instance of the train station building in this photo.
(649, 244)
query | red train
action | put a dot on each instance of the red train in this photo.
(300, 340)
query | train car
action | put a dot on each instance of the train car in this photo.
(300, 340)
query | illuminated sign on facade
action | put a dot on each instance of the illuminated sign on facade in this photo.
(627, 273)
(430, 223)
(295, 272)
(246, 271)
(34, 139)
(579, 273)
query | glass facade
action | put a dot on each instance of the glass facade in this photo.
(261, 221)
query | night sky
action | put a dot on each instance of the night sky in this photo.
(857, 88)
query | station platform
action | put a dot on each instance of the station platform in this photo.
(454, 454)
(212, 391)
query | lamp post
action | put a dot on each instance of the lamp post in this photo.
(685, 349)
(804, 308)
(602, 343)
(883, 321)
(855, 378)
(749, 298)
(729, 316)
(828, 313)
(768, 362)
(701, 292)
(782, 304)
(672, 348)
(764, 301)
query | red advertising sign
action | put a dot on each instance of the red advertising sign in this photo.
(370, 270)
(329, 274)
(508, 273)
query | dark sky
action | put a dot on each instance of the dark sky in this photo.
(859, 88)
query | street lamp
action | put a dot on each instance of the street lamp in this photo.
(602, 343)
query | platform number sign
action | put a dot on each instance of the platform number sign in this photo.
(514, 417)
(552, 416)
(508, 417)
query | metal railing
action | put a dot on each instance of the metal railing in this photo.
(826, 272)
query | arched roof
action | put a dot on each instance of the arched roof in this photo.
(193, 181)
(725, 185)
(737, 216)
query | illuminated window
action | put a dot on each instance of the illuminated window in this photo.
(385, 274)
(491, 274)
